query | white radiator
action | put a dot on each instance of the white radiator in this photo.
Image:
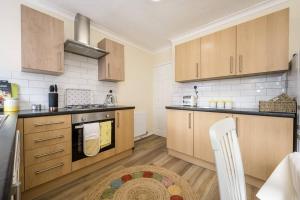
(140, 124)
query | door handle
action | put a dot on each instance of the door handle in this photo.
(231, 64)
(108, 69)
(190, 120)
(48, 154)
(48, 169)
(46, 139)
(118, 119)
(240, 63)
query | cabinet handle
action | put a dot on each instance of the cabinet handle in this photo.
(59, 59)
(118, 119)
(53, 138)
(48, 154)
(108, 69)
(190, 120)
(46, 124)
(197, 70)
(231, 64)
(240, 63)
(48, 169)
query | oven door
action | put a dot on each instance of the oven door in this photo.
(77, 139)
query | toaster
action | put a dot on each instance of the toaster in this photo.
(189, 100)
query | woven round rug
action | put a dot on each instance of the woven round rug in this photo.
(145, 182)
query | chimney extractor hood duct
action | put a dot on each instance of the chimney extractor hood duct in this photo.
(81, 44)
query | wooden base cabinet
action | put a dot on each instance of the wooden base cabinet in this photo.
(264, 142)
(202, 123)
(180, 130)
(124, 130)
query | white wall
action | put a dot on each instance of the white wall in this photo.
(80, 72)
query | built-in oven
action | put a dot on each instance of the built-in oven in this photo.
(78, 121)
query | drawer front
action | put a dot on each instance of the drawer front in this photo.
(46, 153)
(47, 171)
(37, 140)
(40, 124)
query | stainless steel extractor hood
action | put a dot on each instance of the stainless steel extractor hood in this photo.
(81, 44)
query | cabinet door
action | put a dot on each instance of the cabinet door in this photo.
(218, 52)
(264, 142)
(180, 131)
(187, 61)
(262, 44)
(202, 123)
(42, 42)
(124, 130)
(111, 67)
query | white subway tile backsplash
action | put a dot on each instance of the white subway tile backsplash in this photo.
(80, 72)
(246, 92)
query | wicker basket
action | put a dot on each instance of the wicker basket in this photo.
(282, 103)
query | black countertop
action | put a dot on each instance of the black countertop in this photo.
(7, 138)
(7, 141)
(245, 111)
(64, 111)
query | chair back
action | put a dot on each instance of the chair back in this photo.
(228, 159)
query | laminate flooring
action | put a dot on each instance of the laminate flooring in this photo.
(149, 151)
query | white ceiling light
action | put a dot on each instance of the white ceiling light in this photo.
(155, 0)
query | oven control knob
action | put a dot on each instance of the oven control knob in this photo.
(107, 116)
(83, 119)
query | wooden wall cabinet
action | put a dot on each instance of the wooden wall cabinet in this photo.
(263, 44)
(124, 130)
(111, 67)
(42, 42)
(264, 142)
(180, 131)
(202, 123)
(218, 53)
(256, 47)
(187, 61)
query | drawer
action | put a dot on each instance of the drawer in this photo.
(40, 124)
(42, 139)
(46, 153)
(47, 171)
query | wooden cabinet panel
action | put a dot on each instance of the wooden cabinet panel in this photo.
(218, 54)
(262, 44)
(264, 142)
(46, 153)
(40, 124)
(47, 171)
(42, 42)
(42, 139)
(180, 135)
(187, 61)
(202, 123)
(111, 67)
(124, 130)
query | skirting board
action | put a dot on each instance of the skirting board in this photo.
(250, 180)
(44, 188)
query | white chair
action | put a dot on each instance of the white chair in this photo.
(228, 159)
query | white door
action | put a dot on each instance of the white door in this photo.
(162, 88)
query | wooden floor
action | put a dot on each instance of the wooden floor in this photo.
(151, 150)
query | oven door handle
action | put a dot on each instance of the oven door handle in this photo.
(78, 127)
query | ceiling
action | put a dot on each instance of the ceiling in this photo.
(150, 24)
